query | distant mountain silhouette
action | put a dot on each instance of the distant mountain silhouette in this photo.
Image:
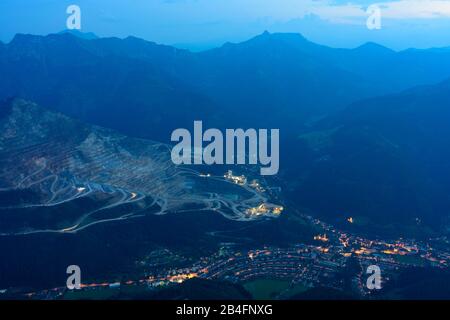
(383, 158)
(145, 89)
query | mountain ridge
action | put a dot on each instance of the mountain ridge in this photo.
(270, 73)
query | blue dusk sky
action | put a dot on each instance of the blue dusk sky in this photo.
(202, 24)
